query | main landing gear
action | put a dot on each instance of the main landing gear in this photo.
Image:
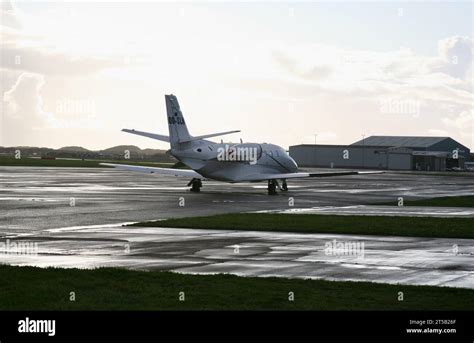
(284, 186)
(273, 184)
(272, 187)
(196, 185)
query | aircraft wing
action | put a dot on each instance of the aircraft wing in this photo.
(262, 177)
(155, 170)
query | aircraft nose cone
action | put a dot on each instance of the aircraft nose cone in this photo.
(295, 165)
(292, 164)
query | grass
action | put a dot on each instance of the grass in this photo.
(313, 223)
(37, 162)
(31, 288)
(455, 201)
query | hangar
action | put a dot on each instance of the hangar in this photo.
(385, 152)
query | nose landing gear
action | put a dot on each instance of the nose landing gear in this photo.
(196, 185)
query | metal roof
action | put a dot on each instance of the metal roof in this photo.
(400, 141)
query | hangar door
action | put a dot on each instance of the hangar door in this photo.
(399, 161)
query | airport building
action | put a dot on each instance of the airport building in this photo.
(385, 152)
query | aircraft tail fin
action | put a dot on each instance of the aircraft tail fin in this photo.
(177, 126)
(178, 131)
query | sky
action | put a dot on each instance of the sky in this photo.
(76, 73)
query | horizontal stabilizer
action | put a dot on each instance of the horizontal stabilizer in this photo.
(148, 134)
(195, 138)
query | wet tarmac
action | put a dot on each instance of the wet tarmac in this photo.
(71, 217)
(395, 260)
(33, 199)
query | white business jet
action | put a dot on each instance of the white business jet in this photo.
(242, 162)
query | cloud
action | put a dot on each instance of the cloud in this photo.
(464, 120)
(347, 98)
(25, 120)
(46, 61)
(463, 123)
(23, 101)
(315, 72)
(33, 53)
(438, 132)
(456, 56)
(377, 75)
(9, 15)
(316, 87)
(23, 115)
(30, 62)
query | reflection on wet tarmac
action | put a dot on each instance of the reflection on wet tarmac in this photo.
(404, 260)
(35, 207)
